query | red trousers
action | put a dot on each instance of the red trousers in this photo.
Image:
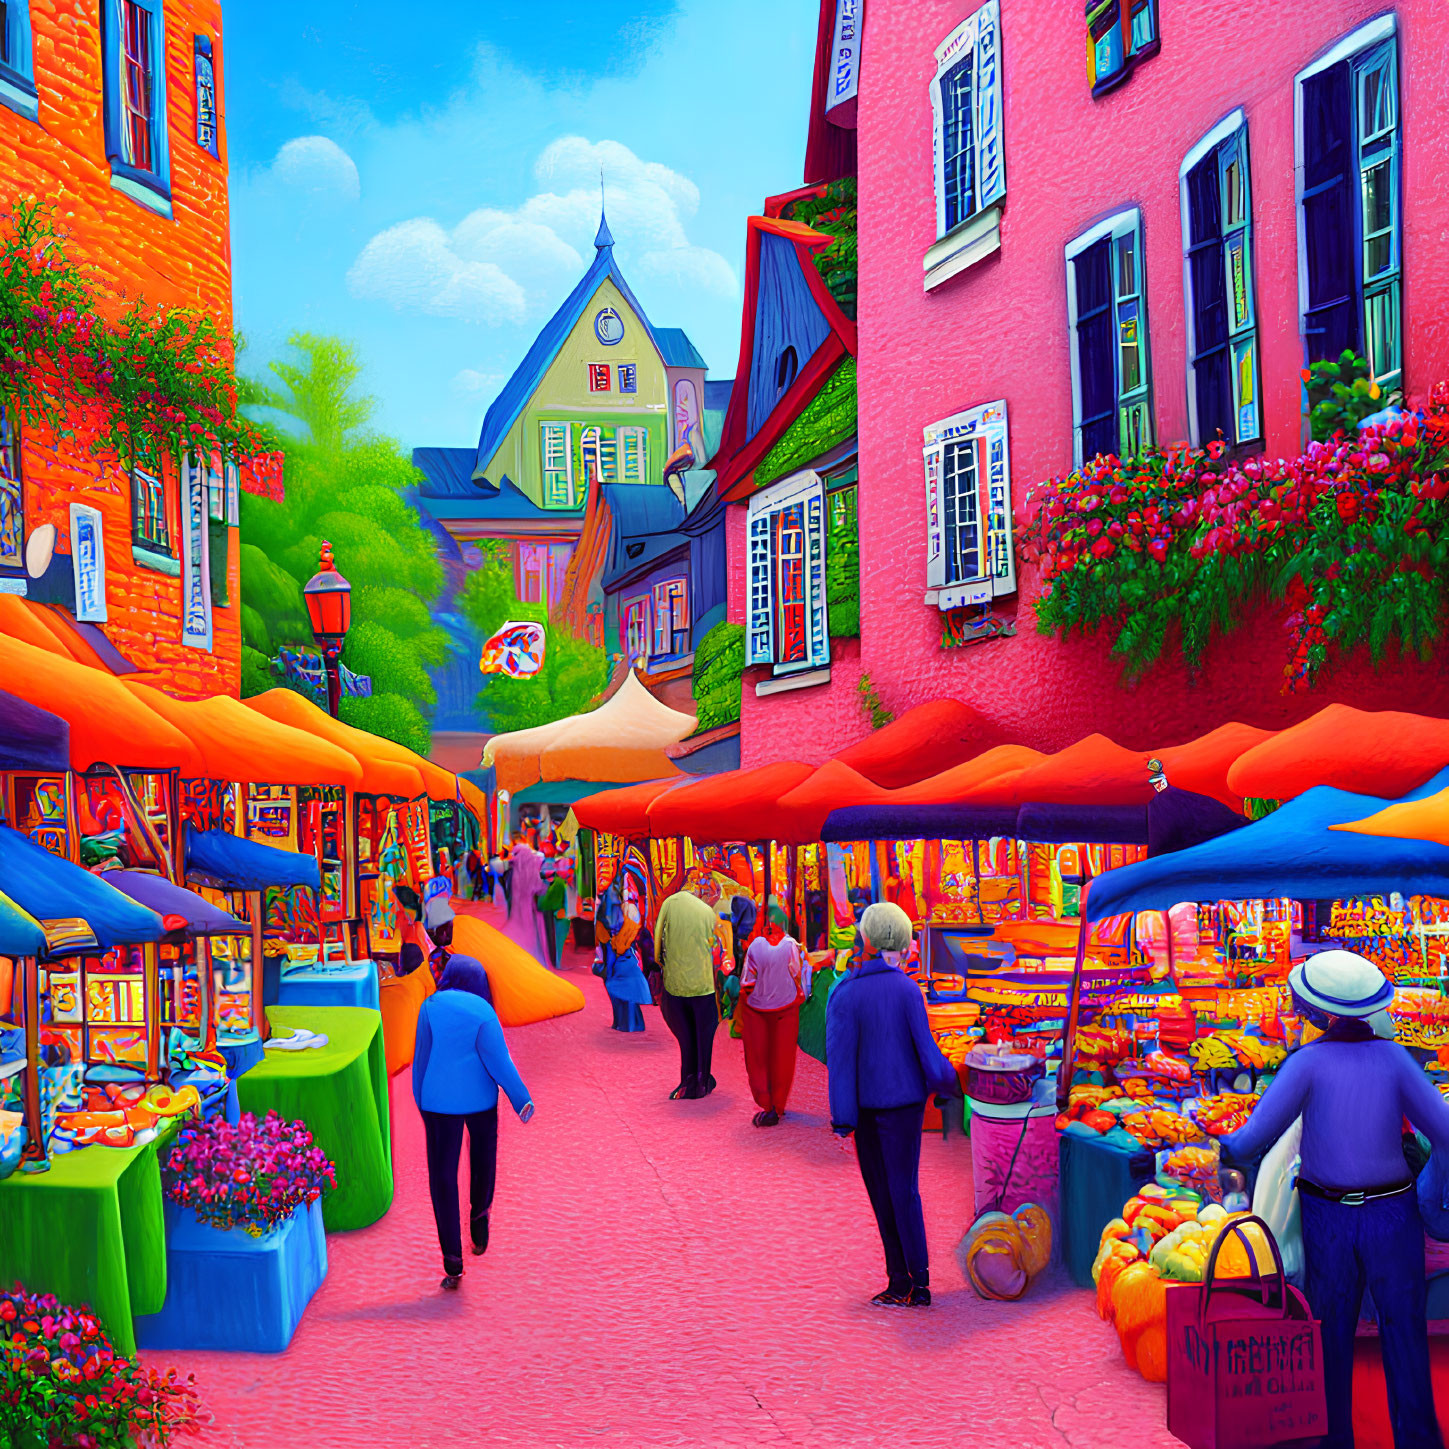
(771, 1039)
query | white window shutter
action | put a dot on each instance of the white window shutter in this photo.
(1001, 535)
(815, 578)
(938, 151)
(759, 620)
(986, 95)
(934, 455)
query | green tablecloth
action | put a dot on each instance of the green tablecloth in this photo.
(91, 1231)
(340, 1092)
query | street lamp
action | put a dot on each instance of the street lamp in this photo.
(329, 607)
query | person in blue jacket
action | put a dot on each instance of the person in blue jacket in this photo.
(459, 1062)
(883, 1064)
(1362, 1226)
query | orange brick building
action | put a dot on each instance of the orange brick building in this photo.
(112, 111)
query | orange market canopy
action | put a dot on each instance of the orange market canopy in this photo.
(108, 723)
(524, 991)
(834, 786)
(989, 779)
(235, 745)
(924, 741)
(1202, 765)
(1426, 819)
(1094, 771)
(736, 805)
(624, 811)
(380, 758)
(1366, 752)
(623, 740)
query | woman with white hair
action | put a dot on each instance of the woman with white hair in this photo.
(883, 1064)
(1361, 1221)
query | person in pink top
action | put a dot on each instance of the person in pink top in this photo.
(775, 981)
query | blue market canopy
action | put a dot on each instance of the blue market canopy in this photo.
(1179, 819)
(174, 902)
(57, 893)
(229, 862)
(1082, 824)
(919, 822)
(20, 933)
(32, 738)
(1291, 853)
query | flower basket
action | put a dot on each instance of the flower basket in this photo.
(63, 1386)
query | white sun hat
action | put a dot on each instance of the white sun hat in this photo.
(1342, 983)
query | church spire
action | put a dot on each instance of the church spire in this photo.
(605, 238)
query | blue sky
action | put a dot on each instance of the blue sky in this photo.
(429, 189)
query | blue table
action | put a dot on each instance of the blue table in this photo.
(353, 983)
(1095, 1180)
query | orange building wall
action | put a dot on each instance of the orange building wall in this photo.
(133, 253)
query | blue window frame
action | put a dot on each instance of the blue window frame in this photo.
(134, 54)
(1349, 212)
(12, 501)
(17, 59)
(1119, 34)
(208, 124)
(628, 377)
(1217, 211)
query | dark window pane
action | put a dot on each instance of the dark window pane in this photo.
(1095, 346)
(1331, 323)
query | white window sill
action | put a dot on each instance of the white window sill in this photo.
(972, 241)
(143, 195)
(13, 584)
(960, 596)
(150, 558)
(788, 682)
(19, 98)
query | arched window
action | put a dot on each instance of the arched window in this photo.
(786, 366)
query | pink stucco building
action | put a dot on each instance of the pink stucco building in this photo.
(1070, 244)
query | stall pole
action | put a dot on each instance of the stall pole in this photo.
(30, 994)
(206, 993)
(254, 917)
(1069, 1038)
(151, 959)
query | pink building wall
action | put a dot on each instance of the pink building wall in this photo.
(999, 330)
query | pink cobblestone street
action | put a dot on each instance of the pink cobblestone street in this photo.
(663, 1273)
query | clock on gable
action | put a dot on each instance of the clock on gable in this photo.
(608, 326)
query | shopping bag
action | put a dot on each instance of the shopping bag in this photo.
(1244, 1357)
(1275, 1197)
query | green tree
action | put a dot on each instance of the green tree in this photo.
(574, 672)
(346, 485)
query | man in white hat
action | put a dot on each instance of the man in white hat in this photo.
(1361, 1224)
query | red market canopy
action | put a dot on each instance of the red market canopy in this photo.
(1202, 765)
(832, 787)
(1366, 752)
(737, 805)
(989, 779)
(1094, 771)
(922, 742)
(624, 811)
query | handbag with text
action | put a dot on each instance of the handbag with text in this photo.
(1244, 1356)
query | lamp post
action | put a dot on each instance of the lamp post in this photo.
(329, 606)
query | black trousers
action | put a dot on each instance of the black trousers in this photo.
(444, 1134)
(888, 1148)
(693, 1020)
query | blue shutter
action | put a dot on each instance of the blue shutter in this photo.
(759, 620)
(17, 63)
(1211, 363)
(815, 577)
(157, 179)
(1331, 321)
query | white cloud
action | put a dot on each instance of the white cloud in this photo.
(317, 165)
(470, 381)
(504, 266)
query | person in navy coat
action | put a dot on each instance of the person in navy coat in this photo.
(460, 1060)
(883, 1064)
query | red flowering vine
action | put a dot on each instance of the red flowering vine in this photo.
(151, 379)
(1178, 543)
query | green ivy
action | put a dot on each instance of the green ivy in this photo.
(842, 564)
(872, 703)
(719, 667)
(1341, 395)
(834, 213)
(829, 418)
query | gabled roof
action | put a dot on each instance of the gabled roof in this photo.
(510, 402)
(506, 503)
(741, 448)
(676, 348)
(448, 473)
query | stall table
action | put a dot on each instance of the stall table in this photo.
(1095, 1180)
(401, 999)
(340, 1091)
(91, 1231)
(349, 983)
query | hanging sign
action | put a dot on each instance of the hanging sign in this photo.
(844, 64)
(88, 559)
(195, 559)
(516, 650)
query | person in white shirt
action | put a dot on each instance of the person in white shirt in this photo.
(776, 979)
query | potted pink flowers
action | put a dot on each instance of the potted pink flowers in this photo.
(245, 1247)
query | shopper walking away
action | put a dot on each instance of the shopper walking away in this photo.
(460, 1060)
(883, 1063)
(1361, 1221)
(776, 981)
(684, 947)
